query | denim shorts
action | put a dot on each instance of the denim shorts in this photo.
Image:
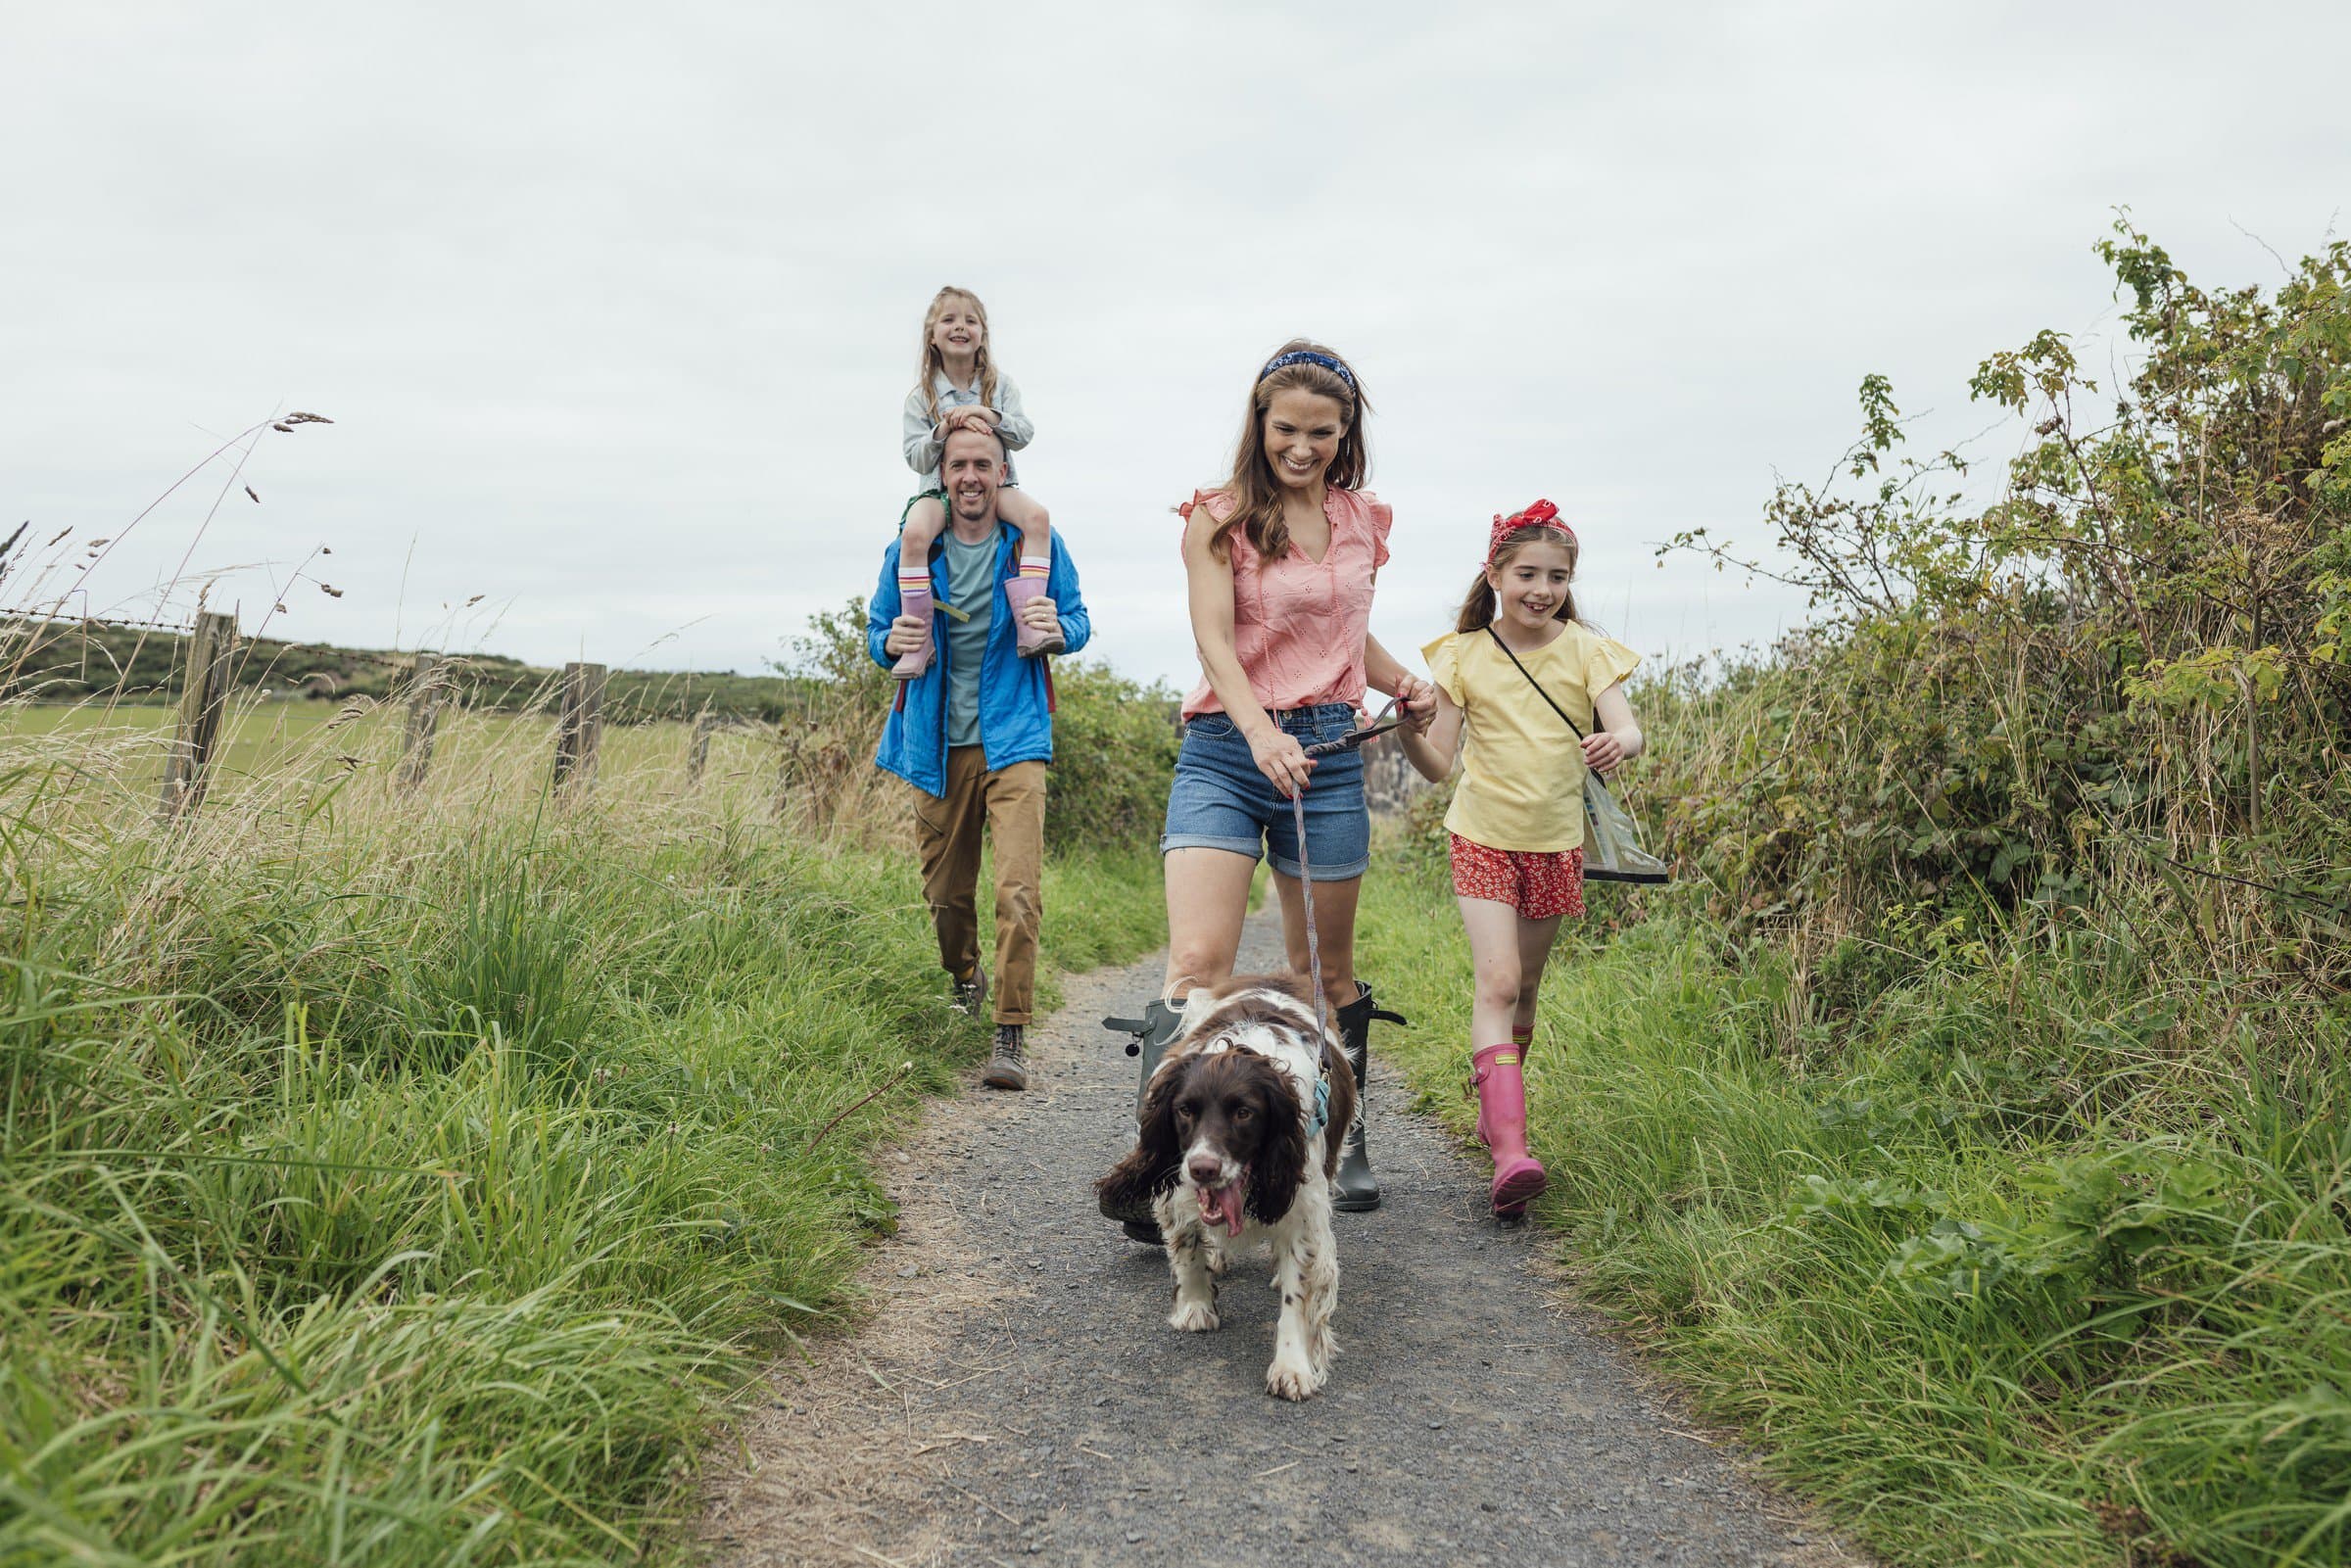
(1221, 802)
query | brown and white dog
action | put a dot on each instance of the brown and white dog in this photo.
(1238, 1144)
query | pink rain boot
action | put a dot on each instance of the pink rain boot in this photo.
(1519, 1176)
(1523, 1040)
(915, 601)
(1031, 643)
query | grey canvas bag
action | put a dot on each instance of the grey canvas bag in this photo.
(1611, 853)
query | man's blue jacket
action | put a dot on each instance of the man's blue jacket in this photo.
(1016, 694)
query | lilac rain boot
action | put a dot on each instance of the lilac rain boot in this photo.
(1032, 643)
(915, 601)
(1519, 1176)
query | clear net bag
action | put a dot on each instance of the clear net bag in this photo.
(1611, 852)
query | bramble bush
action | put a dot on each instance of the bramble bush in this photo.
(2125, 674)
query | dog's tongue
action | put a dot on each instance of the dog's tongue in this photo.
(1222, 1206)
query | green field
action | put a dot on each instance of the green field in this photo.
(397, 1177)
(267, 747)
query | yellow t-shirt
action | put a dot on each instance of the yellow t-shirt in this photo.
(1522, 770)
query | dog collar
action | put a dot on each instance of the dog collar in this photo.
(1321, 1117)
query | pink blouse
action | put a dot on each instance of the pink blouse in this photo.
(1298, 624)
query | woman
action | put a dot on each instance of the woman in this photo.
(1280, 565)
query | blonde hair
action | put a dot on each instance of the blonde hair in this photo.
(935, 363)
(1256, 493)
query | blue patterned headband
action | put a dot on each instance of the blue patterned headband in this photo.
(1309, 357)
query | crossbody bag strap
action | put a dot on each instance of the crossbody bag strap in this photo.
(1531, 681)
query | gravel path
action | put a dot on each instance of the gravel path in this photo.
(1019, 1397)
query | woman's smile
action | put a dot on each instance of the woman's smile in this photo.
(1302, 436)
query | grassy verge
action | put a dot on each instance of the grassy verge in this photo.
(1102, 906)
(392, 1179)
(1976, 1249)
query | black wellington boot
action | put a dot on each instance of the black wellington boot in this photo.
(1152, 1032)
(1356, 1189)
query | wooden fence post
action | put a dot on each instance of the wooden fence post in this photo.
(203, 698)
(698, 751)
(580, 726)
(788, 755)
(424, 716)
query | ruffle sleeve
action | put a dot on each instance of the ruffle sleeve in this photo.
(1444, 658)
(1220, 504)
(1606, 662)
(1383, 518)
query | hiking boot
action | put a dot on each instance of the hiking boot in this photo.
(1357, 1190)
(1152, 1032)
(970, 996)
(1006, 1068)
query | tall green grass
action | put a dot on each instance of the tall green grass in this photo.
(411, 1177)
(2009, 1253)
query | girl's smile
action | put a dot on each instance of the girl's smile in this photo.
(1302, 436)
(1531, 586)
(957, 332)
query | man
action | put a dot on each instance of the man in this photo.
(974, 733)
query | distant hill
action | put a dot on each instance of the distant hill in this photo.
(74, 661)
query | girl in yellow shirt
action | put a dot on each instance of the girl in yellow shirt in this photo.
(1518, 817)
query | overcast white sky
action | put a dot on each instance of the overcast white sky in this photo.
(614, 305)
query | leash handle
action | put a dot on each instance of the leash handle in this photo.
(1356, 737)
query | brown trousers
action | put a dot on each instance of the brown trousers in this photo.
(1010, 804)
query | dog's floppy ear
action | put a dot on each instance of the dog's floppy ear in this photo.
(1150, 1169)
(1280, 1164)
(1342, 1104)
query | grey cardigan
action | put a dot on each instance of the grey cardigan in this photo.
(920, 435)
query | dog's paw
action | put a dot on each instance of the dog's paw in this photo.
(1193, 1318)
(1290, 1380)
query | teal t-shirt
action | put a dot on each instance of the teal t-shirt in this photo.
(970, 589)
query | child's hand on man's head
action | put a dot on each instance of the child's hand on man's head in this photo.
(972, 416)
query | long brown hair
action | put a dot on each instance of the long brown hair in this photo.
(1255, 491)
(1477, 609)
(935, 363)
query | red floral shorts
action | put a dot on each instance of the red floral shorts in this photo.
(1539, 883)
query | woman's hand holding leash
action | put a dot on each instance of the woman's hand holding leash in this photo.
(1282, 760)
